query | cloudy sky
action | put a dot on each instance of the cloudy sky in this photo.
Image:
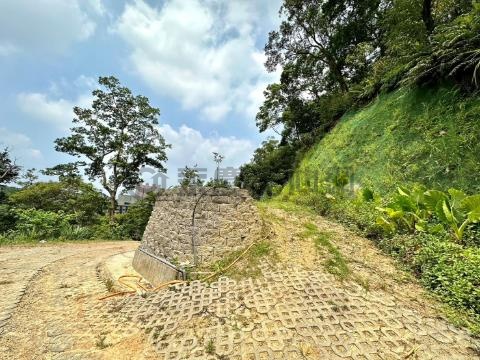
(199, 61)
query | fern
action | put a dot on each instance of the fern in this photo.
(454, 54)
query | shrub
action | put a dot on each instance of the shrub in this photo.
(451, 271)
(107, 230)
(132, 224)
(71, 197)
(272, 163)
(218, 183)
(39, 224)
(430, 211)
(8, 218)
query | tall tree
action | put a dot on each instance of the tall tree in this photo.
(115, 138)
(9, 170)
(323, 47)
(317, 37)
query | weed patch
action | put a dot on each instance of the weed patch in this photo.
(247, 266)
(210, 348)
(336, 263)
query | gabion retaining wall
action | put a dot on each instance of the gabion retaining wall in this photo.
(225, 220)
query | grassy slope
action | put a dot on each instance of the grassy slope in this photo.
(426, 136)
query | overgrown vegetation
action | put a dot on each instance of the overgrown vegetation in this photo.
(35, 224)
(379, 100)
(270, 167)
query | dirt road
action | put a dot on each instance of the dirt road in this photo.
(45, 293)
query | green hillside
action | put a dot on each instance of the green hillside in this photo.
(424, 136)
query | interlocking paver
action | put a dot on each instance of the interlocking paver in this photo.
(265, 325)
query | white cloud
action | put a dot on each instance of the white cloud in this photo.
(55, 110)
(58, 112)
(190, 147)
(202, 52)
(44, 26)
(20, 146)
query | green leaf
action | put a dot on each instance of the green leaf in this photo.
(385, 224)
(474, 216)
(471, 203)
(447, 214)
(403, 191)
(421, 226)
(456, 198)
(404, 202)
(435, 229)
(432, 198)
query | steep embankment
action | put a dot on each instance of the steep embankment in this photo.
(425, 136)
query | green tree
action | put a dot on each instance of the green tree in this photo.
(317, 37)
(324, 47)
(28, 178)
(135, 220)
(190, 177)
(300, 119)
(9, 170)
(272, 164)
(71, 197)
(453, 53)
(115, 138)
(65, 172)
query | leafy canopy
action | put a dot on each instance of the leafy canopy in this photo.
(271, 164)
(115, 138)
(70, 197)
(323, 47)
(9, 170)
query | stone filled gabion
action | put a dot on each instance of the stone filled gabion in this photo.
(225, 220)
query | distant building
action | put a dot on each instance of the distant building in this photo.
(139, 193)
(124, 201)
(141, 190)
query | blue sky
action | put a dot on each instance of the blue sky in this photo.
(199, 61)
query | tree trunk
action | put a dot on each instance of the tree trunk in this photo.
(427, 16)
(113, 206)
(337, 73)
